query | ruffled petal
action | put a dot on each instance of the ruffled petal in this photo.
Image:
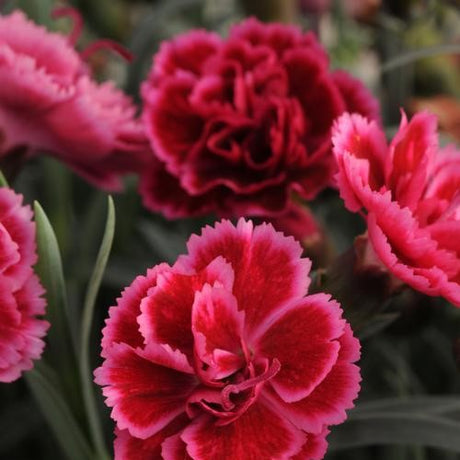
(421, 264)
(305, 341)
(314, 448)
(218, 326)
(147, 389)
(258, 433)
(128, 447)
(410, 154)
(358, 99)
(360, 150)
(255, 255)
(16, 219)
(327, 403)
(167, 311)
(122, 326)
(162, 191)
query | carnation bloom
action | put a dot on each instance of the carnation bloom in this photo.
(20, 290)
(409, 194)
(236, 125)
(224, 355)
(49, 103)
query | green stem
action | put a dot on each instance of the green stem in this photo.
(412, 56)
(88, 311)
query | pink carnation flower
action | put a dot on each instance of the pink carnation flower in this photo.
(49, 103)
(224, 355)
(409, 193)
(20, 290)
(238, 124)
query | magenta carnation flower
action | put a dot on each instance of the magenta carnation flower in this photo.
(21, 331)
(224, 355)
(409, 193)
(238, 124)
(49, 103)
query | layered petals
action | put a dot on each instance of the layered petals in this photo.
(50, 104)
(122, 324)
(225, 356)
(260, 432)
(156, 446)
(327, 402)
(245, 247)
(147, 389)
(240, 124)
(304, 340)
(409, 194)
(21, 302)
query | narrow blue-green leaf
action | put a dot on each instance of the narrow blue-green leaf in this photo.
(412, 56)
(377, 324)
(49, 269)
(3, 181)
(413, 404)
(87, 320)
(397, 428)
(58, 415)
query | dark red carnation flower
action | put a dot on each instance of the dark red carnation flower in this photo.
(238, 124)
(224, 355)
(49, 103)
(409, 193)
(21, 331)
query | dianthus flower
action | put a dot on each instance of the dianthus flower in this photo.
(236, 125)
(409, 194)
(224, 355)
(49, 103)
(21, 331)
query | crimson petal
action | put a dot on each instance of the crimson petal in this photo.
(147, 389)
(256, 255)
(304, 340)
(217, 326)
(327, 403)
(167, 310)
(258, 433)
(122, 326)
(128, 447)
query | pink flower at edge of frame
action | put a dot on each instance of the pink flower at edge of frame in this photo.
(50, 104)
(409, 193)
(21, 305)
(225, 353)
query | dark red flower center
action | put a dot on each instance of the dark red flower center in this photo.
(228, 398)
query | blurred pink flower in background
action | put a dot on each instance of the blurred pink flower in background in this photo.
(409, 194)
(50, 104)
(238, 125)
(21, 331)
(224, 355)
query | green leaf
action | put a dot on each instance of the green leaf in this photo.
(397, 428)
(378, 324)
(3, 181)
(165, 243)
(58, 414)
(88, 311)
(412, 56)
(61, 350)
(413, 404)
